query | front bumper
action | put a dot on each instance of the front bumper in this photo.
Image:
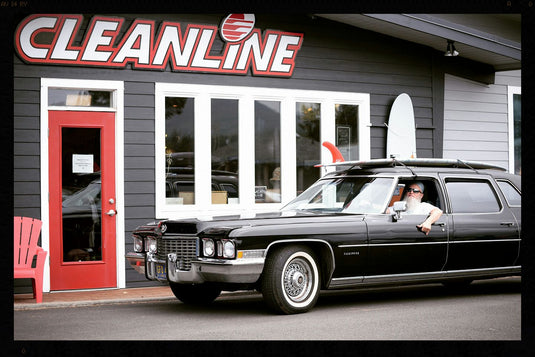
(137, 261)
(244, 270)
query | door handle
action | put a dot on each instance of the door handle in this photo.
(111, 212)
(508, 224)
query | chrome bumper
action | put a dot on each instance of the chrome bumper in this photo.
(245, 270)
(137, 261)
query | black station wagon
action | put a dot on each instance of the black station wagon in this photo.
(352, 228)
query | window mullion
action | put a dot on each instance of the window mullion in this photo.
(288, 150)
(328, 131)
(246, 151)
(203, 159)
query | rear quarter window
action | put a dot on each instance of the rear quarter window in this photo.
(510, 192)
(472, 196)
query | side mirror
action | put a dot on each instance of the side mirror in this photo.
(399, 206)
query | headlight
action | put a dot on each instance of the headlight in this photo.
(138, 244)
(208, 247)
(229, 250)
(150, 245)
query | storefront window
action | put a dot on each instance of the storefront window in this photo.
(308, 145)
(179, 151)
(242, 150)
(347, 138)
(225, 151)
(267, 152)
(79, 98)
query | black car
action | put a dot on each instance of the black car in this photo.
(338, 234)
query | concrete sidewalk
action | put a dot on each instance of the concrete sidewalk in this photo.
(93, 297)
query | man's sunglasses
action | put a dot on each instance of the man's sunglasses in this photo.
(413, 190)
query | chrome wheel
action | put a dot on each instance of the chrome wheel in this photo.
(297, 280)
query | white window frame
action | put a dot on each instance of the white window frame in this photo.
(247, 96)
(511, 91)
(117, 106)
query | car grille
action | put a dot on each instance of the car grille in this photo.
(185, 248)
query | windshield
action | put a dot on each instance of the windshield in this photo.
(345, 195)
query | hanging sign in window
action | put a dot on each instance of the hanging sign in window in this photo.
(82, 164)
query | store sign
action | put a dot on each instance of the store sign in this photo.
(48, 39)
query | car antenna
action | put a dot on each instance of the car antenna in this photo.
(405, 166)
(466, 164)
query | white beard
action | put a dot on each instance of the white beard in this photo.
(412, 203)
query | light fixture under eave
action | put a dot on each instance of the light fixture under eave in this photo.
(450, 50)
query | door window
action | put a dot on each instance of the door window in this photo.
(472, 197)
(510, 192)
(81, 206)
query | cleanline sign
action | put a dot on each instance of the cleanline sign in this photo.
(49, 39)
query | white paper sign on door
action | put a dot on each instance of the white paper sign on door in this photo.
(82, 164)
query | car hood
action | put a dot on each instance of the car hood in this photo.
(223, 225)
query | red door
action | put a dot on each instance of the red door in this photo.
(82, 200)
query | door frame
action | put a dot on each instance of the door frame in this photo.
(117, 87)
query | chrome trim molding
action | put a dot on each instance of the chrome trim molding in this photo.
(486, 241)
(415, 243)
(428, 243)
(423, 277)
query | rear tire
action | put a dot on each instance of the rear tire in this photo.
(200, 294)
(291, 280)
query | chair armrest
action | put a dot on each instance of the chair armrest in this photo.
(41, 256)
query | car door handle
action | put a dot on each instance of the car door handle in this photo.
(440, 224)
(508, 224)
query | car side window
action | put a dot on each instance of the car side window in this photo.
(431, 192)
(510, 192)
(472, 196)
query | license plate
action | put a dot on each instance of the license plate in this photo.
(160, 271)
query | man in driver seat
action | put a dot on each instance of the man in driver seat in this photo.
(414, 195)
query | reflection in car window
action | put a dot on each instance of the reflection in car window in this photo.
(472, 197)
(347, 195)
(510, 193)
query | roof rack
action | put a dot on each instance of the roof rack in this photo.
(420, 162)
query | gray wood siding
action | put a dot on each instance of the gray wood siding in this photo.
(475, 119)
(334, 57)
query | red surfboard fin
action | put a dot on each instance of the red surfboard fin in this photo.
(337, 155)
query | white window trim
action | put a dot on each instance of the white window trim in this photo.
(246, 96)
(511, 91)
(118, 106)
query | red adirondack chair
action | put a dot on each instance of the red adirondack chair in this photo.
(26, 232)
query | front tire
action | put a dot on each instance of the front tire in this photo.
(200, 294)
(291, 280)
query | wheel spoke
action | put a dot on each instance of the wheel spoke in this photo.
(297, 281)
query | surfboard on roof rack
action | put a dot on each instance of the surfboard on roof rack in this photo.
(418, 162)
